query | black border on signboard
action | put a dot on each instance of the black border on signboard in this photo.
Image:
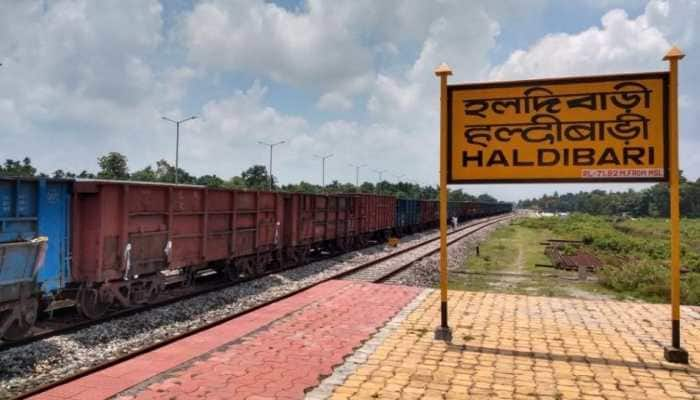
(663, 75)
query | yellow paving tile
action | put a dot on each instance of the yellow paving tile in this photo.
(515, 346)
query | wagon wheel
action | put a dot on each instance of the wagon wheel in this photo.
(301, 253)
(232, 272)
(19, 328)
(154, 292)
(90, 304)
(278, 263)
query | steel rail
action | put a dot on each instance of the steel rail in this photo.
(404, 266)
(153, 346)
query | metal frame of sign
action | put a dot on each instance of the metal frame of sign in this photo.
(663, 75)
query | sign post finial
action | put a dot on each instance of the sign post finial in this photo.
(443, 69)
(674, 54)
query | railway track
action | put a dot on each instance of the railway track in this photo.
(385, 269)
(376, 270)
(70, 323)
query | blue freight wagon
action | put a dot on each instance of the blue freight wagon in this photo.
(408, 215)
(34, 248)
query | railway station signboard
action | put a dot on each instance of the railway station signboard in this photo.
(609, 128)
(583, 129)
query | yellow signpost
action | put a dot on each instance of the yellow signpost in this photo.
(443, 332)
(675, 353)
(614, 128)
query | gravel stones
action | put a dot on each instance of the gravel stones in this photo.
(425, 272)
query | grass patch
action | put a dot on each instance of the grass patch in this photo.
(636, 252)
(514, 250)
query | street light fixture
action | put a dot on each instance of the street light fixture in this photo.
(177, 140)
(323, 168)
(398, 177)
(271, 146)
(357, 172)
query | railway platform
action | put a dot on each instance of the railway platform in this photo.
(275, 352)
(353, 340)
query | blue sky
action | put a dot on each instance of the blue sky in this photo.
(352, 78)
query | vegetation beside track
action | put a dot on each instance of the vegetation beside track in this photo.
(635, 251)
(507, 264)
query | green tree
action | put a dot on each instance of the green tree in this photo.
(147, 174)
(486, 198)
(256, 177)
(113, 166)
(235, 182)
(367, 187)
(210, 181)
(60, 174)
(86, 175)
(302, 187)
(18, 168)
(166, 173)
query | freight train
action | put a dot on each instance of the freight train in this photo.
(97, 244)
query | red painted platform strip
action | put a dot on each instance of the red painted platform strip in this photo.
(275, 352)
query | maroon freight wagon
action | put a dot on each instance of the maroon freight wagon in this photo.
(430, 213)
(317, 222)
(132, 239)
(124, 233)
(375, 215)
(472, 210)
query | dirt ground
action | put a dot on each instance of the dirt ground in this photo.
(507, 264)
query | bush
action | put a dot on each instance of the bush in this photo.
(646, 278)
(690, 289)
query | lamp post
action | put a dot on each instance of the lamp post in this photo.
(271, 146)
(357, 172)
(177, 140)
(379, 180)
(398, 177)
(323, 168)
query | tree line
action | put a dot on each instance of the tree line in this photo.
(114, 166)
(650, 202)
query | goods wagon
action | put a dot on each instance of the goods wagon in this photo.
(408, 215)
(375, 216)
(315, 223)
(34, 248)
(127, 232)
(429, 213)
(114, 243)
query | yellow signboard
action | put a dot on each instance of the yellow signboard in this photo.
(585, 129)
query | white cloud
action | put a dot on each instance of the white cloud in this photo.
(335, 47)
(229, 130)
(334, 101)
(77, 81)
(620, 45)
(302, 48)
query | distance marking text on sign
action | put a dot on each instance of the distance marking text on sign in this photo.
(601, 128)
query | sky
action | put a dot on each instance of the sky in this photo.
(352, 78)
